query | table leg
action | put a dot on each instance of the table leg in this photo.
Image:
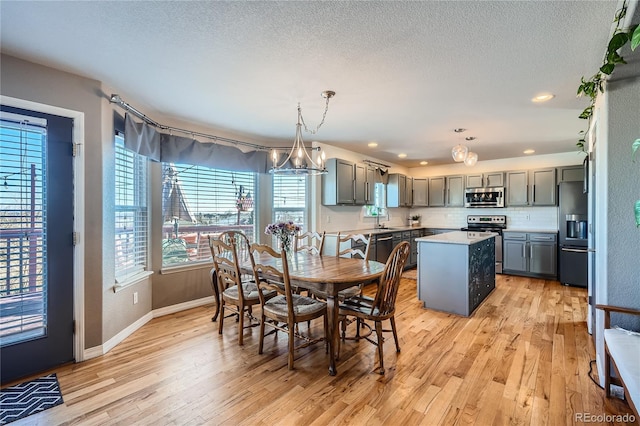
(333, 332)
(216, 293)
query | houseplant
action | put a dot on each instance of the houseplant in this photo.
(415, 220)
(285, 232)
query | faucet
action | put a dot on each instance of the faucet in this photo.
(378, 225)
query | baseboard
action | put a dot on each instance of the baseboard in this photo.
(97, 351)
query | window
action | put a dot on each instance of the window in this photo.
(131, 214)
(290, 199)
(199, 201)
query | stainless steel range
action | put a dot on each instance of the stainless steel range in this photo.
(489, 223)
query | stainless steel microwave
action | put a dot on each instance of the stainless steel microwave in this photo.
(484, 197)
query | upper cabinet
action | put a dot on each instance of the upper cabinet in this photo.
(482, 180)
(346, 183)
(436, 191)
(399, 191)
(570, 174)
(531, 187)
(455, 191)
(420, 192)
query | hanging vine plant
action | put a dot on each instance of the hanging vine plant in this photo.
(595, 85)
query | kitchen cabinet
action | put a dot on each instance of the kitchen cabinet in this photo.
(345, 183)
(482, 180)
(531, 187)
(436, 191)
(399, 191)
(530, 254)
(413, 255)
(455, 191)
(420, 192)
(570, 174)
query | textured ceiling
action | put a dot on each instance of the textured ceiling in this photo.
(406, 73)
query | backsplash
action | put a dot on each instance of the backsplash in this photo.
(343, 218)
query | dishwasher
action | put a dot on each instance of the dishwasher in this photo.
(384, 247)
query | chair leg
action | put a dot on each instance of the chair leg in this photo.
(291, 344)
(607, 373)
(262, 320)
(240, 325)
(343, 326)
(221, 322)
(395, 334)
(380, 344)
(326, 335)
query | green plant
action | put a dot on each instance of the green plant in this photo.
(416, 217)
(595, 84)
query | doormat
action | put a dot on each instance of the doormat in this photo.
(25, 399)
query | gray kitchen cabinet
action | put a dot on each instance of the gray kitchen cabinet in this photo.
(530, 254)
(360, 184)
(420, 192)
(399, 191)
(517, 188)
(345, 183)
(543, 187)
(455, 191)
(413, 255)
(436, 191)
(570, 174)
(482, 180)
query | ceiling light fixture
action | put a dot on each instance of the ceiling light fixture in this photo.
(472, 159)
(543, 97)
(461, 152)
(372, 144)
(299, 161)
(470, 138)
(528, 151)
(424, 163)
(403, 155)
(459, 130)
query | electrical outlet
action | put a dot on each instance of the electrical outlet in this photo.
(328, 219)
(528, 217)
(135, 297)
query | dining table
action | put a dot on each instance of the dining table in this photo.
(329, 274)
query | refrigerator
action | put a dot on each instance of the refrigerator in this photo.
(573, 234)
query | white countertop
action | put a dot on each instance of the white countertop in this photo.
(531, 230)
(457, 237)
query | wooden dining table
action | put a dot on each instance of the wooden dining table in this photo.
(329, 274)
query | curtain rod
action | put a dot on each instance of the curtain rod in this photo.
(116, 99)
(375, 163)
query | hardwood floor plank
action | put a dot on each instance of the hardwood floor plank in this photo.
(521, 358)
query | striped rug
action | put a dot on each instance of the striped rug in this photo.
(25, 399)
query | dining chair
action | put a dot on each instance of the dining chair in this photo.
(237, 295)
(312, 242)
(284, 311)
(382, 306)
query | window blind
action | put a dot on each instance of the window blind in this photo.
(23, 233)
(290, 199)
(131, 212)
(200, 201)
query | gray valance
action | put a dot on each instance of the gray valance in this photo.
(144, 139)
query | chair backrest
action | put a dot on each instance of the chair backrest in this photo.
(385, 300)
(241, 242)
(352, 251)
(225, 263)
(267, 276)
(311, 242)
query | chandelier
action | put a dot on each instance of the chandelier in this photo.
(299, 161)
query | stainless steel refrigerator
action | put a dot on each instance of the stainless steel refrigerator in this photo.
(573, 230)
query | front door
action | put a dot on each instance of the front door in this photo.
(36, 242)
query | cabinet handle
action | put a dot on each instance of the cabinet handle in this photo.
(534, 195)
(524, 250)
(354, 191)
(448, 196)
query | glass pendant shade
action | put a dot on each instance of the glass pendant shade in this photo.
(459, 153)
(472, 159)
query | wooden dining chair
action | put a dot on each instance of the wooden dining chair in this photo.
(382, 307)
(355, 246)
(284, 311)
(237, 296)
(312, 242)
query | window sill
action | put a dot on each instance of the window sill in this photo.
(208, 264)
(129, 281)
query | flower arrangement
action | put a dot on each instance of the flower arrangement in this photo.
(285, 231)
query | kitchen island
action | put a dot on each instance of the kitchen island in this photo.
(456, 270)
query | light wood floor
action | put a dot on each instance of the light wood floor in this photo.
(522, 358)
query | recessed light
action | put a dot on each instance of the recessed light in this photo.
(424, 163)
(402, 155)
(372, 144)
(529, 151)
(470, 138)
(543, 97)
(459, 130)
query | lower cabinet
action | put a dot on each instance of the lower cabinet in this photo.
(530, 254)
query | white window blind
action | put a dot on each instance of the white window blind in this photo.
(23, 233)
(198, 202)
(131, 212)
(290, 199)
